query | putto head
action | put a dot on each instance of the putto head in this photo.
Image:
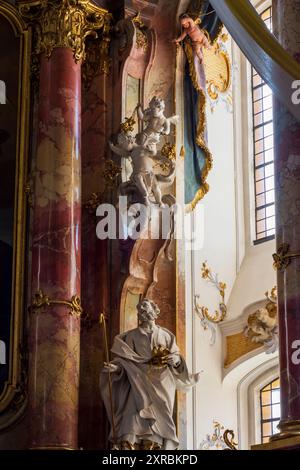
(186, 21)
(147, 310)
(126, 141)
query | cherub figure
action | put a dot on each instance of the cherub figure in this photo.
(142, 152)
(157, 123)
(196, 34)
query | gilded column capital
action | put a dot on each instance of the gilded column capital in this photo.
(65, 23)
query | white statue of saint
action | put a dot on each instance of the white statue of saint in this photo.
(146, 371)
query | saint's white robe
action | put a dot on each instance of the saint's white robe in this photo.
(143, 395)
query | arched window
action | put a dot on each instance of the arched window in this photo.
(270, 410)
(263, 151)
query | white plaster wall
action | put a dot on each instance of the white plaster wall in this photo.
(229, 250)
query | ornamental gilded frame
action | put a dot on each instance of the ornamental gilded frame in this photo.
(13, 396)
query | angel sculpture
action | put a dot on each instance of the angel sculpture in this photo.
(196, 34)
(142, 149)
(157, 123)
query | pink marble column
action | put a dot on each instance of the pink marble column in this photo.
(286, 15)
(55, 328)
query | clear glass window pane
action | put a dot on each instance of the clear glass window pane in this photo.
(275, 396)
(258, 107)
(259, 159)
(263, 131)
(269, 183)
(258, 119)
(268, 115)
(259, 146)
(267, 412)
(270, 223)
(269, 170)
(270, 410)
(261, 214)
(260, 174)
(276, 411)
(269, 156)
(270, 197)
(266, 91)
(256, 80)
(269, 142)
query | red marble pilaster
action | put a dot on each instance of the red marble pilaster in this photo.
(287, 175)
(54, 330)
(96, 118)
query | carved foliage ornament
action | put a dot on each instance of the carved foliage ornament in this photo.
(283, 258)
(110, 175)
(41, 300)
(141, 36)
(64, 23)
(208, 320)
(219, 440)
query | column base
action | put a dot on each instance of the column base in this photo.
(283, 443)
(287, 428)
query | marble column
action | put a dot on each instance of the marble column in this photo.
(286, 14)
(54, 330)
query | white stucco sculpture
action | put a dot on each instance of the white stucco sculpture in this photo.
(146, 371)
(142, 150)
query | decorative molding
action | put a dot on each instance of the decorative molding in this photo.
(93, 202)
(218, 72)
(254, 332)
(209, 320)
(220, 439)
(41, 300)
(29, 193)
(13, 396)
(238, 345)
(64, 23)
(110, 175)
(141, 39)
(283, 257)
(98, 60)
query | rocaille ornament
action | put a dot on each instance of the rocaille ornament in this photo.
(64, 23)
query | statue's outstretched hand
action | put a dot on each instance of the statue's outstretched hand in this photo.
(172, 360)
(110, 367)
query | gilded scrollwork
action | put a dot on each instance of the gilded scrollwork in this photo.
(218, 72)
(41, 300)
(221, 439)
(283, 258)
(14, 391)
(110, 174)
(141, 40)
(209, 320)
(64, 23)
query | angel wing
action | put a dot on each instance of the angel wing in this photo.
(174, 119)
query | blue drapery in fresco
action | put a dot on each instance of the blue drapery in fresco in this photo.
(197, 156)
